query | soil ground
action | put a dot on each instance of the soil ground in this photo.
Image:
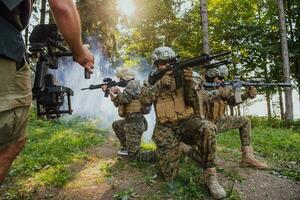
(95, 179)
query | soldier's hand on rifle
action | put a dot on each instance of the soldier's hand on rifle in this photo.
(85, 58)
(104, 87)
(115, 90)
(188, 75)
(166, 80)
(225, 92)
(251, 92)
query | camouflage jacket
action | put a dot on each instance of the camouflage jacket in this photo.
(131, 92)
(150, 93)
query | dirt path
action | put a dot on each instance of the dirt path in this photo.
(258, 184)
(106, 175)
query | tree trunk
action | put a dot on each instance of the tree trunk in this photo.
(297, 68)
(294, 38)
(289, 115)
(281, 103)
(231, 110)
(204, 23)
(238, 110)
(268, 99)
(290, 16)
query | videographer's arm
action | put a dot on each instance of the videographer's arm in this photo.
(68, 22)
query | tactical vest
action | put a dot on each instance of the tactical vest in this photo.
(196, 97)
(134, 106)
(214, 110)
(170, 105)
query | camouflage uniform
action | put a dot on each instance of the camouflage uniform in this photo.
(184, 127)
(176, 123)
(130, 129)
(215, 112)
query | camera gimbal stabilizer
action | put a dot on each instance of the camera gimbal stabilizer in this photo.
(47, 44)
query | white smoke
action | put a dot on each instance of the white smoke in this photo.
(91, 104)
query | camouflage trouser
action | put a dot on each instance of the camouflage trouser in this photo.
(129, 131)
(233, 122)
(194, 131)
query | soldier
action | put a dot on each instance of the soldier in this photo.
(216, 113)
(176, 124)
(15, 86)
(129, 130)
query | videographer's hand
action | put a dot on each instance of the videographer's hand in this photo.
(85, 58)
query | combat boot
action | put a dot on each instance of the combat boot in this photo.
(210, 180)
(248, 159)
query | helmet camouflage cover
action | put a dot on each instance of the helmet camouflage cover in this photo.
(163, 54)
(125, 74)
(223, 70)
(217, 71)
(213, 72)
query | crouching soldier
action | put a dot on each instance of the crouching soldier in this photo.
(215, 112)
(130, 129)
(176, 124)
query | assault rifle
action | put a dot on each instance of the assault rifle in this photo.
(109, 83)
(177, 67)
(237, 85)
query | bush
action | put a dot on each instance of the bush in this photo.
(266, 121)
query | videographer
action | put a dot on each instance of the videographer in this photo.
(15, 83)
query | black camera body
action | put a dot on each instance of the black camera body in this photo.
(46, 43)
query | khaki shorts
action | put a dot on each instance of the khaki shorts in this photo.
(15, 100)
(15, 86)
(13, 125)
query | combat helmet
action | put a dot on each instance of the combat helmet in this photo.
(217, 71)
(163, 54)
(223, 70)
(213, 72)
(124, 73)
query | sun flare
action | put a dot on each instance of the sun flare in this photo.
(127, 7)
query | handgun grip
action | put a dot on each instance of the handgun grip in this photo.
(87, 74)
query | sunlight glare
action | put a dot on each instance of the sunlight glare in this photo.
(126, 7)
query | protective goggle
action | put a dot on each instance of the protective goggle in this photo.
(161, 62)
(211, 79)
(221, 78)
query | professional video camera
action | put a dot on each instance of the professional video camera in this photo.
(47, 44)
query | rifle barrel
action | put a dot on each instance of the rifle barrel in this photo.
(247, 84)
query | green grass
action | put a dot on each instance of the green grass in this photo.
(51, 148)
(278, 146)
(126, 194)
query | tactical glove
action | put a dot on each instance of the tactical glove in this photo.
(251, 92)
(225, 92)
(166, 80)
(188, 75)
